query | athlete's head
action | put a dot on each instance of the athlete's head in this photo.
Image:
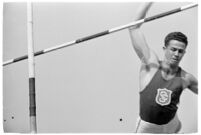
(176, 36)
(175, 47)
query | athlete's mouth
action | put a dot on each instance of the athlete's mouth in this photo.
(175, 59)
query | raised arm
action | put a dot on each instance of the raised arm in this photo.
(138, 40)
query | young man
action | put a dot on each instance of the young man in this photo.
(161, 82)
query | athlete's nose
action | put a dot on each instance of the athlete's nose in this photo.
(176, 53)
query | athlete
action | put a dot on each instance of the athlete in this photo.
(161, 82)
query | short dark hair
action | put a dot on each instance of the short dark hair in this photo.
(176, 36)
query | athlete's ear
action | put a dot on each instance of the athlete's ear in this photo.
(164, 47)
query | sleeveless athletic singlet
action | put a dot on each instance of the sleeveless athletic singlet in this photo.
(159, 99)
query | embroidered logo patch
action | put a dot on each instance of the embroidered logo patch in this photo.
(163, 96)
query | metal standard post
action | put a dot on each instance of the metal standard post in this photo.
(32, 101)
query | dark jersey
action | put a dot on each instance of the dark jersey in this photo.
(159, 99)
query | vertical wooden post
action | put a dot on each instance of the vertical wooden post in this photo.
(32, 101)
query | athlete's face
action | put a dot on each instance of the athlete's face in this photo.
(174, 52)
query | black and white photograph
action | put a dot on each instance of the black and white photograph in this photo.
(100, 67)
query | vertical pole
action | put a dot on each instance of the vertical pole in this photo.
(32, 101)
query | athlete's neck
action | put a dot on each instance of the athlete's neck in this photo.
(168, 68)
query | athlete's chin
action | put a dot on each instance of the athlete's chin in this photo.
(174, 63)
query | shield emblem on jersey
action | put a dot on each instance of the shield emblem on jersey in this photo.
(163, 96)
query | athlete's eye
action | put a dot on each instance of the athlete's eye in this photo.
(173, 49)
(181, 51)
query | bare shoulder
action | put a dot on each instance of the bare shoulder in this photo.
(151, 63)
(187, 76)
(190, 81)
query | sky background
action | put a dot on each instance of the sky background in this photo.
(90, 86)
